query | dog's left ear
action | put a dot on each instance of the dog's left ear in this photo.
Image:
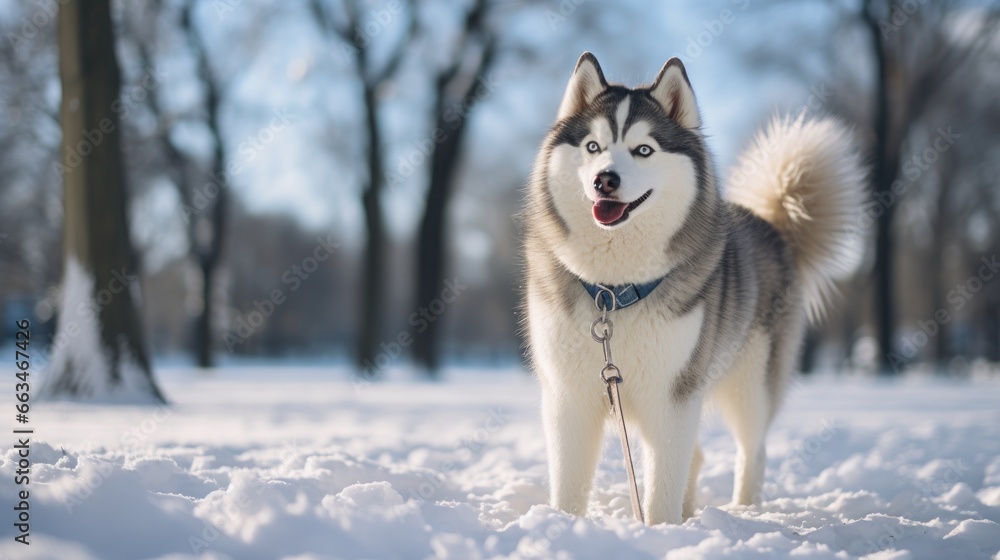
(673, 91)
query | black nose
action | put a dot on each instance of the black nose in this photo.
(607, 182)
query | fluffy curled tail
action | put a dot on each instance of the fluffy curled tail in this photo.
(805, 178)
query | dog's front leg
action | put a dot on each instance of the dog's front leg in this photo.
(574, 424)
(670, 431)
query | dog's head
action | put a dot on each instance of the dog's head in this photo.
(621, 170)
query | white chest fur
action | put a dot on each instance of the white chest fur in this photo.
(650, 345)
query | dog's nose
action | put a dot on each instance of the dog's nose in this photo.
(607, 182)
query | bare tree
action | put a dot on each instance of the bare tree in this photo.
(916, 49)
(371, 77)
(208, 227)
(31, 192)
(456, 88)
(915, 54)
(30, 240)
(203, 192)
(99, 349)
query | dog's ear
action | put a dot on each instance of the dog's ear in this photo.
(587, 82)
(673, 91)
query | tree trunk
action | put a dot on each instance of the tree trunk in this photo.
(373, 297)
(208, 231)
(937, 270)
(992, 331)
(203, 322)
(431, 242)
(374, 274)
(432, 249)
(208, 261)
(886, 166)
(210, 255)
(936, 286)
(99, 351)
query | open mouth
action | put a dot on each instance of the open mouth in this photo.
(609, 212)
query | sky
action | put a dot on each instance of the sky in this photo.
(297, 70)
(291, 111)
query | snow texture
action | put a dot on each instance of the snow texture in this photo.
(280, 462)
(78, 342)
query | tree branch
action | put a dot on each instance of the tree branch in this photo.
(326, 22)
(400, 51)
(948, 60)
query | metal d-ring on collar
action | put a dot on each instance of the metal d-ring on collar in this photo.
(620, 296)
(612, 377)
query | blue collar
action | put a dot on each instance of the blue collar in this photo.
(625, 294)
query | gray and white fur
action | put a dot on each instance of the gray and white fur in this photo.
(624, 191)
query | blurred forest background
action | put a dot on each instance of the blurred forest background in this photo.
(335, 181)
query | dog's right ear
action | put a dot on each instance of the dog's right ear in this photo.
(587, 82)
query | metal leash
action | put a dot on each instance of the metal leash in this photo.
(612, 376)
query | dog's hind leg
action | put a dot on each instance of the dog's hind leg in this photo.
(691, 494)
(574, 424)
(743, 398)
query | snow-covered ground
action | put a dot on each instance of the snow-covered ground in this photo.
(278, 462)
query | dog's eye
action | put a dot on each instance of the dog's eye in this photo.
(643, 151)
(592, 147)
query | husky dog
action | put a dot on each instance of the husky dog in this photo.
(623, 194)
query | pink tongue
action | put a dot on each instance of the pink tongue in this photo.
(608, 211)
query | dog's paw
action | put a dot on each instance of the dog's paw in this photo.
(736, 507)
